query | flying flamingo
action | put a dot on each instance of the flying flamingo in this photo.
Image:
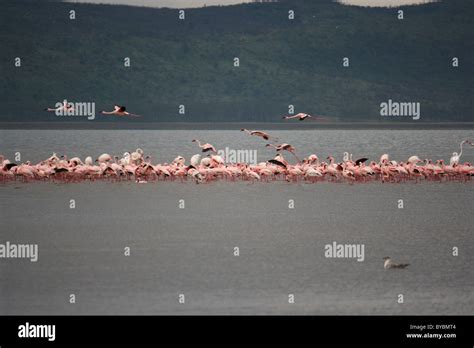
(303, 116)
(66, 107)
(284, 147)
(279, 161)
(256, 133)
(119, 111)
(205, 147)
(456, 157)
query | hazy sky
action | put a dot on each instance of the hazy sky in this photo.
(166, 3)
(198, 3)
(384, 2)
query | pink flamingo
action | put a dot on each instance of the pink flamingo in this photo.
(205, 147)
(65, 107)
(256, 133)
(284, 147)
(119, 111)
(303, 116)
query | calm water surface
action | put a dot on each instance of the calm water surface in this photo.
(190, 250)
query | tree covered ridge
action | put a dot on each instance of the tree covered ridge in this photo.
(282, 61)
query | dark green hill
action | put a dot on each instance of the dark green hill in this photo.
(282, 61)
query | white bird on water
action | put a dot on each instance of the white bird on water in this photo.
(390, 264)
(456, 157)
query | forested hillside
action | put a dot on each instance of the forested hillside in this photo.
(282, 61)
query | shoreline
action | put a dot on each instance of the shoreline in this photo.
(233, 125)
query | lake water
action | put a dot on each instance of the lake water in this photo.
(190, 251)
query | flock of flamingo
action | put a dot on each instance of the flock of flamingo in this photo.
(121, 111)
(210, 167)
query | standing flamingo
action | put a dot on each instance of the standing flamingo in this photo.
(414, 160)
(105, 157)
(137, 156)
(384, 158)
(88, 161)
(456, 157)
(195, 160)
